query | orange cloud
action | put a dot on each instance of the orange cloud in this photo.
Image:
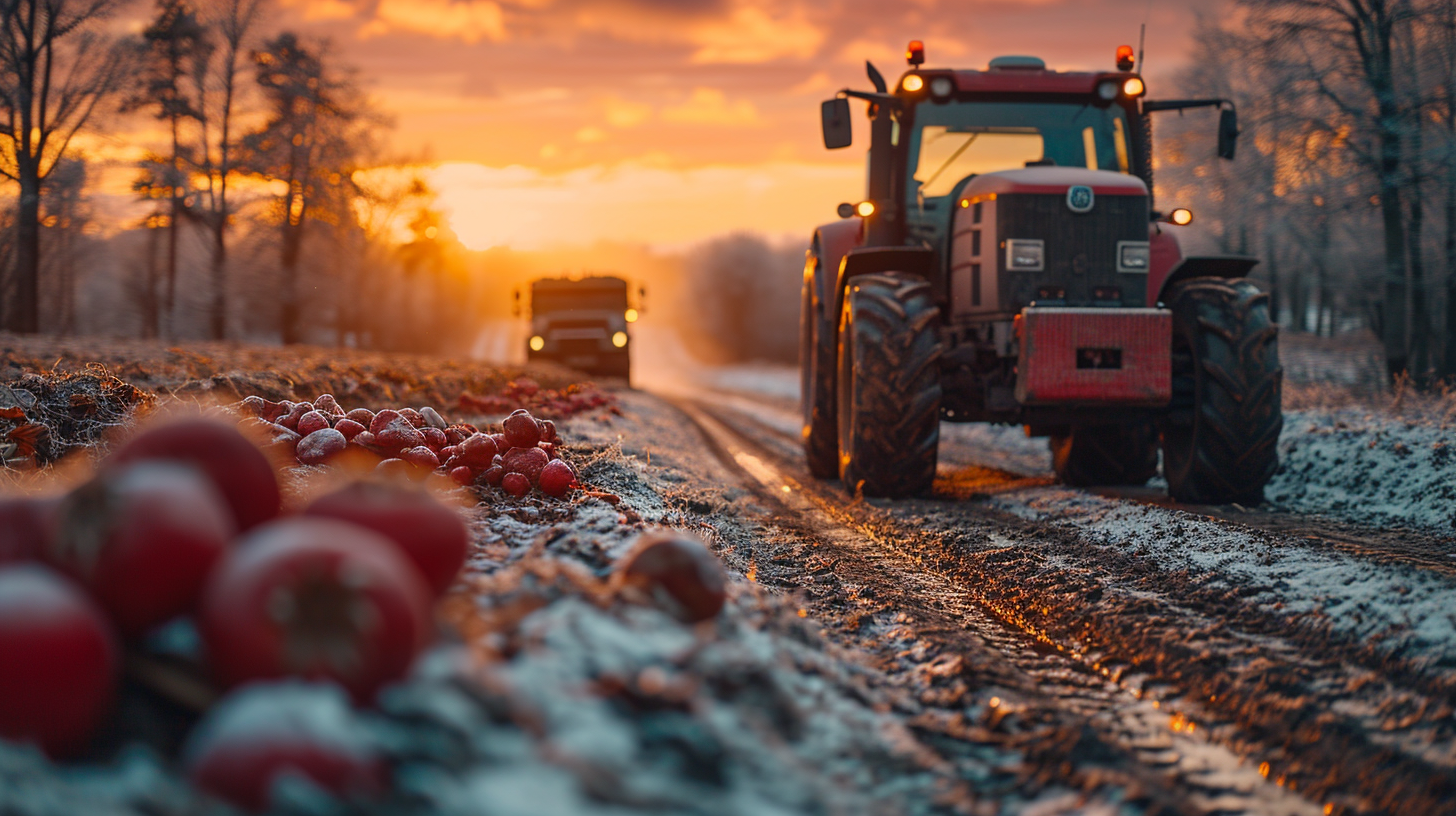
(710, 106)
(752, 34)
(471, 20)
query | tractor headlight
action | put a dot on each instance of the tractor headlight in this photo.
(1025, 255)
(912, 83)
(1107, 90)
(537, 343)
(941, 87)
(1134, 256)
(619, 339)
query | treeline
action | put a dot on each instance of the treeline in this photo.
(271, 211)
(1345, 182)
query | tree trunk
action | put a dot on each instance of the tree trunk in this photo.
(23, 312)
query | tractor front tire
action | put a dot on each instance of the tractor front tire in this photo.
(1220, 439)
(1093, 455)
(889, 385)
(817, 364)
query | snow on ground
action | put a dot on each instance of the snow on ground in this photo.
(1368, 466)
(1390, 605)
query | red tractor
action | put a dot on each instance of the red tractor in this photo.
(1008, 265)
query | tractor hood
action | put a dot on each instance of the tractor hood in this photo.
(1054, 181)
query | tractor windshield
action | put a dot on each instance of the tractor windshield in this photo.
(568, 299)
(951, 142)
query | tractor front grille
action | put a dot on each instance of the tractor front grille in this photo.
(1080, 249)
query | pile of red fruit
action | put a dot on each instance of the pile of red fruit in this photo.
(184, 521)
(526, 392)
(522, 456)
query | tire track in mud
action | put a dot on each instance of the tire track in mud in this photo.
(1165, 759)
(1327, 717)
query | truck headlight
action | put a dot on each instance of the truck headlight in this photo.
(537, 343)
(1134, 256)
(1025, 255)
(619, 339)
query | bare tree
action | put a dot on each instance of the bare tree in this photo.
(55, 73)
(317, 127)
(176, 54)
(233, 21)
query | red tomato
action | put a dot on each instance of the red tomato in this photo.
(60, 660)
(142, 539)
(314, 598)
(266, 729)
(240, 471)
(431, 534)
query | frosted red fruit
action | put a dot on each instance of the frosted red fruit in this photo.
(314, 598)
(448, 452)
(528, 462)
(321, 446)
(515, 484)
(675, 571)
(382, 419)
(494, 475)
(142, 539)
(421, 456)
(263, 409)
(26, 527)
(265, 730)
(431, 534)
(477, 451)
(295, 413)
(556, 478)
(462, 476)
(521, 430)
(326, 404)
(310, 422)
(239, 470)
(500, 442)
(548, 430)
(413, 417)
(349, 428)
(363, 416)
(397, 435)
(434, 437)
(60, 661)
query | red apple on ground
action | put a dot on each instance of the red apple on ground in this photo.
(239, 470)
(264, 730)
(675, 571)
(431, 534)
(315, 598)
(141, 539)
(60, 660)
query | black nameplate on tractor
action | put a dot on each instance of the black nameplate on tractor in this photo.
(1099, 358)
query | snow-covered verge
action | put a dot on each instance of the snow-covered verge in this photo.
(1369, 465)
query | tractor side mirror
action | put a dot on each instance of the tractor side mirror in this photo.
(845, 210)
(1228, 132)
(838, 132)
(516, 309)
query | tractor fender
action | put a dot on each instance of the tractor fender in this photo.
(917, 261)
(1207, 266)
(831, 243)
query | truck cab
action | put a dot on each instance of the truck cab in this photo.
(583, 323)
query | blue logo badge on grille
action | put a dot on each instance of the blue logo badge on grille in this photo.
(1079, 198)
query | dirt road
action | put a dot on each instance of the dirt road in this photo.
(1208, 659)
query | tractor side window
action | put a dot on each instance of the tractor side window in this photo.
(1119, 142)
(1089, 147)
(949, 154)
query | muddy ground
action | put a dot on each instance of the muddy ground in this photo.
(1005, 645)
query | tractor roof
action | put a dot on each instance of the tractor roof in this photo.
(1027, 75)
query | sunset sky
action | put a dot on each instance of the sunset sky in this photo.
(670, 121)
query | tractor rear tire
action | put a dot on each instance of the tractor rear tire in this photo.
(1091, 455)
(1220, 439)
(889, 385)
(817, 362)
